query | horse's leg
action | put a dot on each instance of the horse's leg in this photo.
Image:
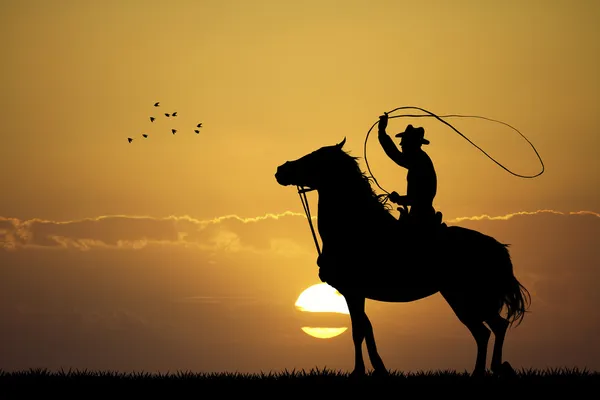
(499, 326)
(362, 329)
(480, 332)
(356, 306)
(376, 361)
(482, 337)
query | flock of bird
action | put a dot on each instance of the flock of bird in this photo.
(168, 115)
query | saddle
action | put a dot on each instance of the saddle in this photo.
(424, 233)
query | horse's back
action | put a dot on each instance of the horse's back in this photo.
(473, 245)
(401, 270)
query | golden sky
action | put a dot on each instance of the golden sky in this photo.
(180, 243)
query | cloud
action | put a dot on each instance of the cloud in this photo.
(119, 319)
(230, 232)
(216, 299)
(270, 232)
(552, 251)
(521, 213)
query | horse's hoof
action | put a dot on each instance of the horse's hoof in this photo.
(357, 374)
(505, 371)
(478, 374)
(380, 373)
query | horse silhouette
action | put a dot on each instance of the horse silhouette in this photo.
(367, 254)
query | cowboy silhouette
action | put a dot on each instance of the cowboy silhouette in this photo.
(416, 209)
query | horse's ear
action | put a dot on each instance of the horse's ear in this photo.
(341, 144)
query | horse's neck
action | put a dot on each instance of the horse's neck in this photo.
(341, 215)
(356, 227)
(333, 207)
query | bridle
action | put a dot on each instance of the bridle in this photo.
(302, 193)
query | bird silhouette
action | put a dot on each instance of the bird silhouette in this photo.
(156, 104)
(152, 119)
(196, 130)
(166, 114)
(174, 114)
(199, 125)
(144, 135)
(173, 130)
(129, 139)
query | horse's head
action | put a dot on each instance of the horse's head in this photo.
(313, 169)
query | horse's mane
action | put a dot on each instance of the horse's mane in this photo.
(358, 178)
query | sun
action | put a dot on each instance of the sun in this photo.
(322, 298)
(324, 333)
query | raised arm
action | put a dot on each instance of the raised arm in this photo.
(388, 144)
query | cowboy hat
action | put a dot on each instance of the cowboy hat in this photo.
(413, 134)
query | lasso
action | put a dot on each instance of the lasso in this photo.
(439, 118)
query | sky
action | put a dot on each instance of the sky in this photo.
(181, 251)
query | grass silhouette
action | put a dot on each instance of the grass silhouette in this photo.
(292, 383)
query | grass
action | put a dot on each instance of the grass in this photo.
(291, 382)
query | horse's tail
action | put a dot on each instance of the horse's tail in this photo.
(514, 296)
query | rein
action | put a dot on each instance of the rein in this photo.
(302, 193)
